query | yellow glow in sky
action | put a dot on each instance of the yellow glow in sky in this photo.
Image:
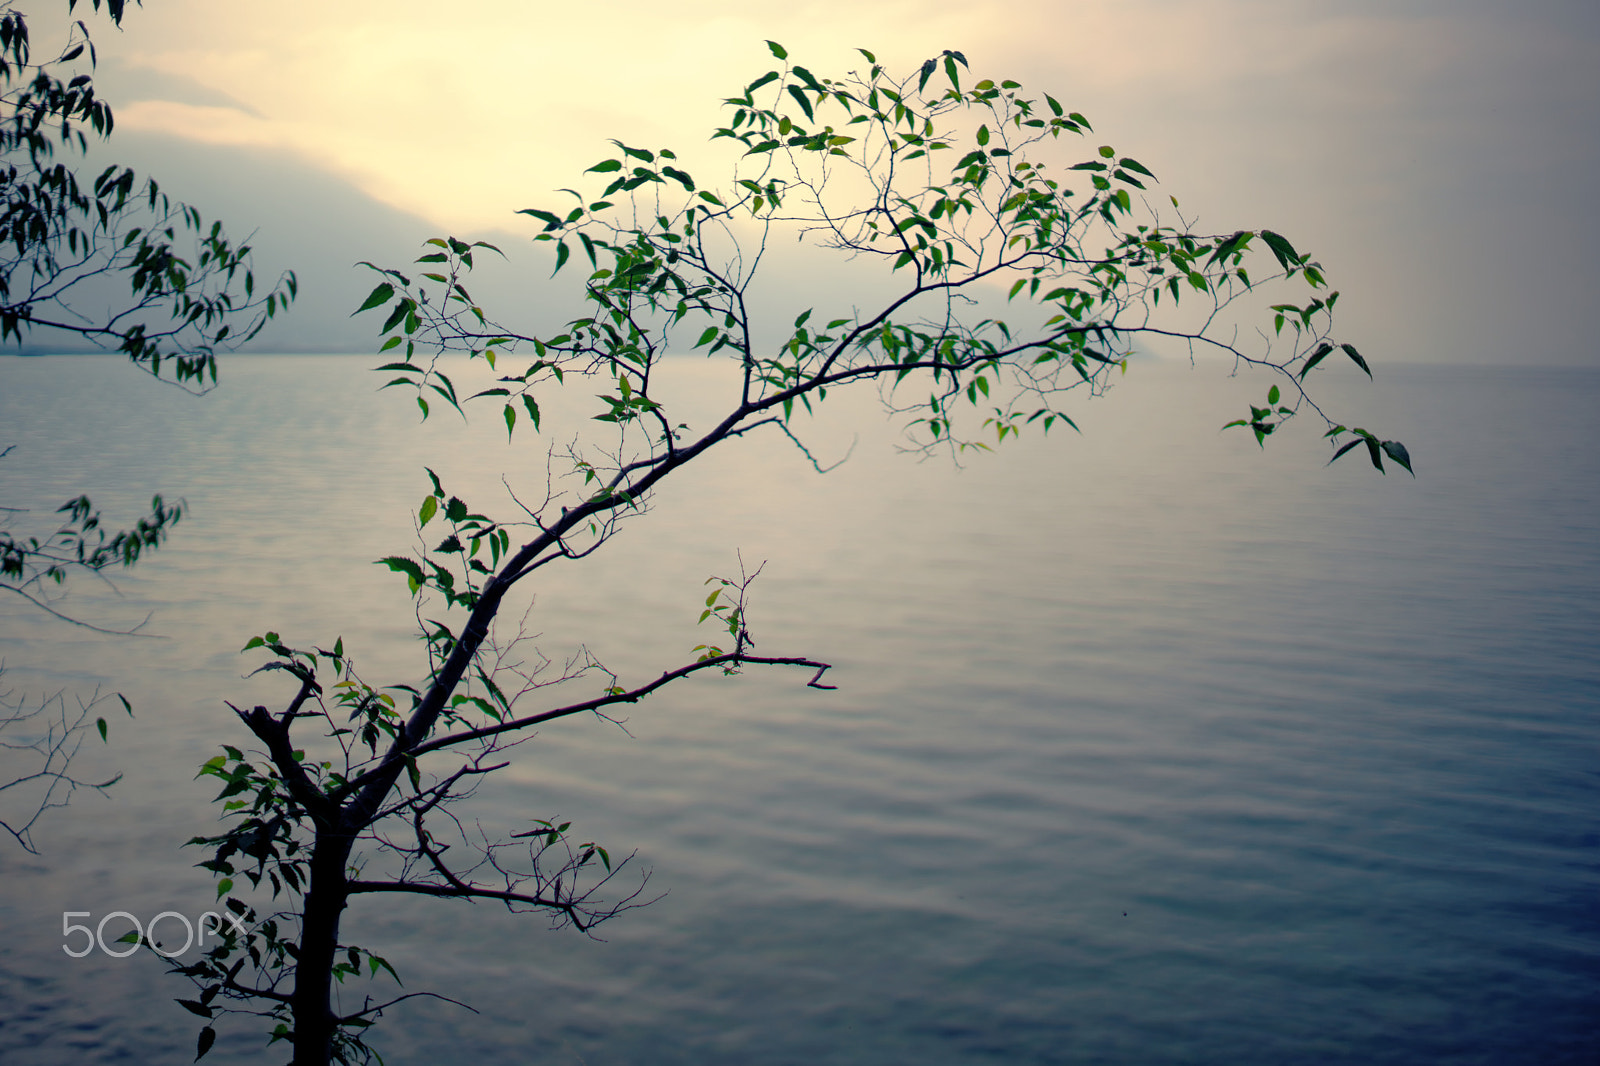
(1396, 139)
(466, 118)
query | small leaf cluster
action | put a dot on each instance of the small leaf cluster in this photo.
(410, 317)
(370, 715)
(728, 610)
(469, 534)
(1376, 449)
(627, 404)
(81, 542)
(29, 563)
(1260, 420)
(551, 834)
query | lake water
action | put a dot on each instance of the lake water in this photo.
(1149, 746)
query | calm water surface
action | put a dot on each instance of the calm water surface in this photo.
(1150, 747)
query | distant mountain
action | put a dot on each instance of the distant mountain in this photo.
(298, 216)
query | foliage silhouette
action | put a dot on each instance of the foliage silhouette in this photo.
(66, 243)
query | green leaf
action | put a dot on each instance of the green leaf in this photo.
(1397, 451)
(1226, 248)
(430, 507)
(1282, 249)
(402, 308)
(401, 565)
(375, 963)
(680, 177)
(377, 298)
(1316, 357)
(778, 50)
(1375, 452)
(1350, 350)
(100, 724)
(805, 105)
(1347, 447)
(208, 1036)
(551, 221)
(607, 167)
(1134, 165)
(1272, 395)
(809, 78)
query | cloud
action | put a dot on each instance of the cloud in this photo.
(207, 125)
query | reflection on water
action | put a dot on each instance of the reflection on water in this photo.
(1149, 746)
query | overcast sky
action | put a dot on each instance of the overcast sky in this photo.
(1437, 156)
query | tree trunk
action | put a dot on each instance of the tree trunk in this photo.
(312, 1006)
